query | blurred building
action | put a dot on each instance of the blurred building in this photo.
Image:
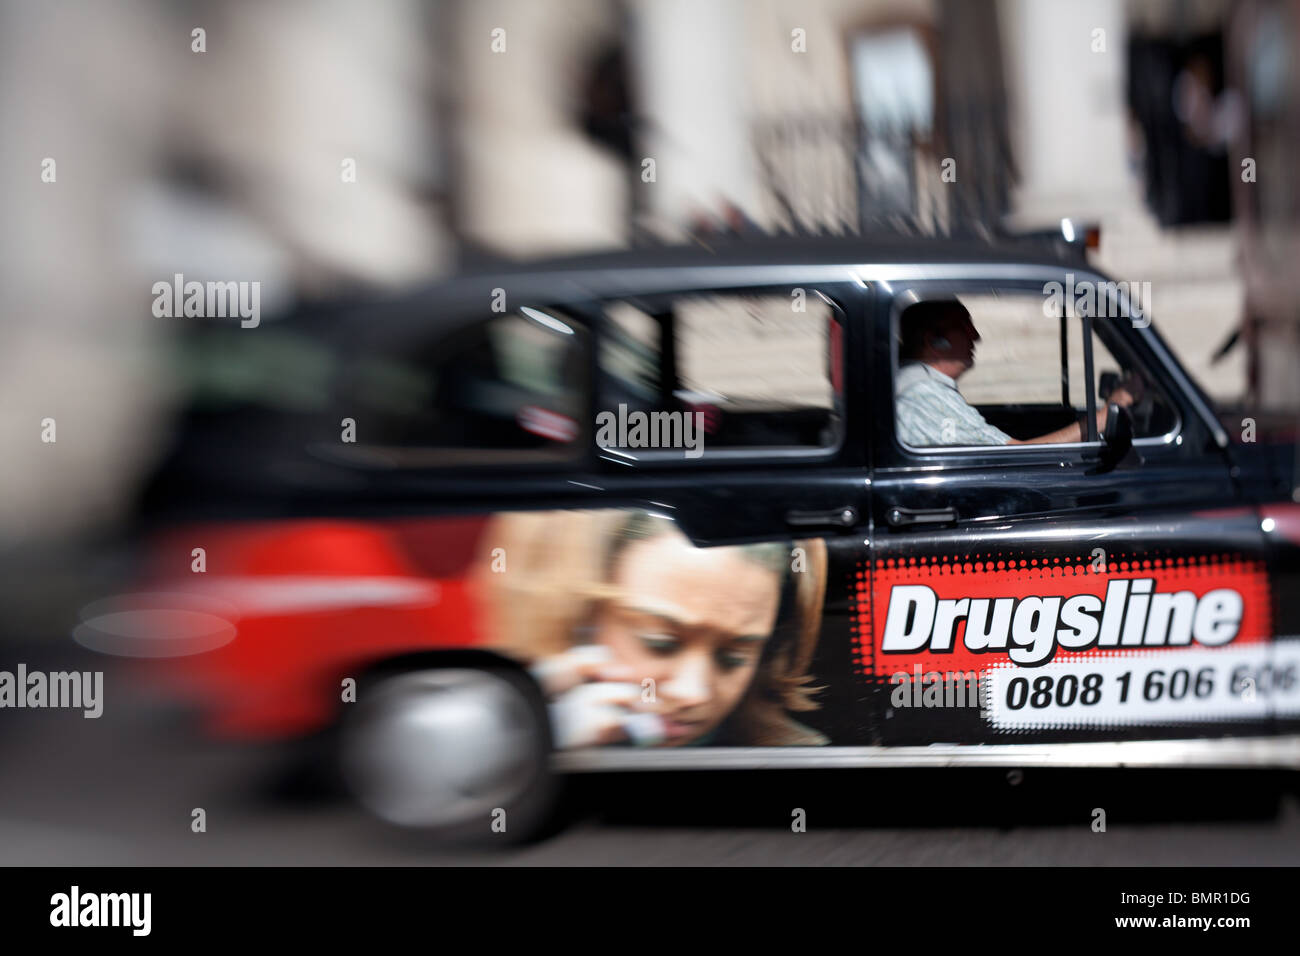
(1263, 43)
(639, 120)
(326, 148)
(850, 115)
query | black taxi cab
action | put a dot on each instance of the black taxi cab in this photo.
(895, 502)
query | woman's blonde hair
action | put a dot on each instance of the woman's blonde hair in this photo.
(542, 575)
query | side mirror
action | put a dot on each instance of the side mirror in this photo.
(1116, 438)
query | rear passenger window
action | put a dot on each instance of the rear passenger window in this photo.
(629, 354)
(758, 371)
(511, 388)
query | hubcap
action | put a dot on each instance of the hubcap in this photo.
(441, 748)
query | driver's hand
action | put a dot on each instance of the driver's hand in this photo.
(1129, 391)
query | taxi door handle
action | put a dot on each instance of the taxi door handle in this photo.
(909, 517)
(845, 517)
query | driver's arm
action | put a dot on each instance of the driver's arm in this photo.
(1074, 432)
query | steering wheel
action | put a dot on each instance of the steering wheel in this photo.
(1133, 382)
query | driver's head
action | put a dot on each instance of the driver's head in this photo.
(939, 333)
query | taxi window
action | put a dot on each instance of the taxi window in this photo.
(1152, 413)
(996, 368)
(758, 369)
(511, 388)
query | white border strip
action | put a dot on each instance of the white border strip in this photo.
(1281, 752)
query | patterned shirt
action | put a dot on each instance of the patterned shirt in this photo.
(930, 411)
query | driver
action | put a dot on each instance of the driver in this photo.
(938, 347)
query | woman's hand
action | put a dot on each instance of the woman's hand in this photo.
(594, 701)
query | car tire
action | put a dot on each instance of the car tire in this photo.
(460, 754)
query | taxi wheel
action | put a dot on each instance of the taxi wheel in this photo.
(461, 754)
